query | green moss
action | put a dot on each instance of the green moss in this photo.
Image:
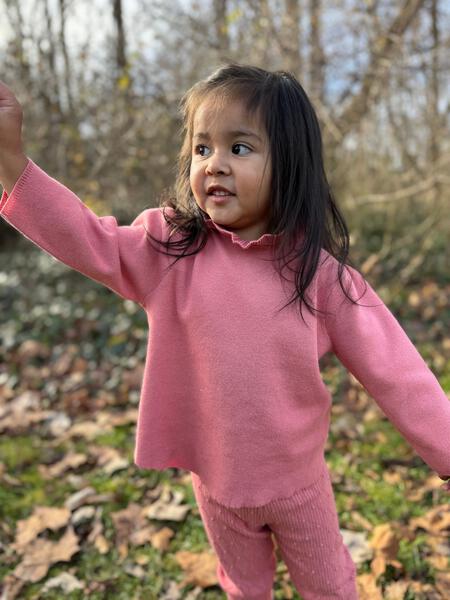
(120, 484)
(382, 501)
(18, 452)
(412, 554)
(121, 437)
(18, 502)
(444, 381)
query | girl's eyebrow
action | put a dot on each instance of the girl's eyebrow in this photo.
(235, 133)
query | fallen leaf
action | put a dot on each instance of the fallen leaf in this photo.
(135, 570)
(384, 540)
(358, 545)
(396, 590)
(161, 539)
(65, 581)
(83, 514)
(86, 430)
(41, 554)
(367, 587)
(168, 506)
(435, 520)
(127, 522)
(43, 517)
(11, 586)
(142, 536)
(79, 498)
(72, 460)
(199, 568)
(357, 518)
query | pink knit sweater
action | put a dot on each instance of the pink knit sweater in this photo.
(232, 388)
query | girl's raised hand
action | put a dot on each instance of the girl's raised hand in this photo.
(11, 116)
(12, 157)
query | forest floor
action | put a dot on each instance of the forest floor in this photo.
(79, 520)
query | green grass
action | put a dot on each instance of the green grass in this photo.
(356, 457)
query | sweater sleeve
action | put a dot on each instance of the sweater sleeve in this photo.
(56, 220)
(369, 341)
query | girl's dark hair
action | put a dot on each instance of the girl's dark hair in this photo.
(301, 198)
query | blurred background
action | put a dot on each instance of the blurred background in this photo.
(100, 82)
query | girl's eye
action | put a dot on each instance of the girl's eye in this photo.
(199, 149)
(242, 145)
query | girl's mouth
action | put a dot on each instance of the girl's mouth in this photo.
(220, 198)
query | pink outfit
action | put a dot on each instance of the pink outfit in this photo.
(232, 389)
(305, 528)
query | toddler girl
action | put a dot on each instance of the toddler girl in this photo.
(232, 390)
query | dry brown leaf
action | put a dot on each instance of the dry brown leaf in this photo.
(166, 512)
(138, 538)
(396, 590)
(425, 591)
(43, 517)
(439, 562)
(97, 527)
(357, 545)
(161, 539)
(286, 588)
(385, 541)
(442, 583)
(109, 459)
(439, 544)
(135, 570)
(30, 349)
(392, 477)
(41, 554)
(102, 544)
(168, 506)
(435, 520)
(367, 587)
(11, 586)
(200, 568)
(86, 430)
(79, 498)
(358, 519)
(62, 364)
(129, 416)
(378, 565)
(72, 460)
(64, 581)
(83, 515)
(127, 522)
(18, 422)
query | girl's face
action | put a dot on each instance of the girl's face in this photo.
(230, 151)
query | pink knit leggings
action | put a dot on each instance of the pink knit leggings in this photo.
(306, 530)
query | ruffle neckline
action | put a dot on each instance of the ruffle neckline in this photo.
(267, 239)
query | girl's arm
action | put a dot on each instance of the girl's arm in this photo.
(56, 220)
(11, 168)
(372, 345)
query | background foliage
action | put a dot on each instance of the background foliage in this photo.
(100, 82)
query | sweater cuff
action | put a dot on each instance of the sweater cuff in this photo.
(17, 186)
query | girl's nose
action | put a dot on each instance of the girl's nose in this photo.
(217, 164)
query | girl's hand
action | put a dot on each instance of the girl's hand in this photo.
(11, 116)
(12, 158)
